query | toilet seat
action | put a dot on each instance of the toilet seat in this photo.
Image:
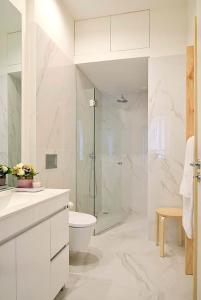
(80, 220)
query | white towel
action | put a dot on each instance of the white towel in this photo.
(186, 188)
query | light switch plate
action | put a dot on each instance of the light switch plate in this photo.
(51, 161)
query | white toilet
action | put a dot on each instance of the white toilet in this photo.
(81, 227)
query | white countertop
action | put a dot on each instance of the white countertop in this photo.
(12, 202)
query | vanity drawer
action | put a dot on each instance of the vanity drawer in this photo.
(59, 232)
(59, 270)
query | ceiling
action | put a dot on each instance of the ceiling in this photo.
(124, 76)
(82, 9)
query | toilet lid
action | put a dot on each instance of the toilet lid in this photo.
(77, 219)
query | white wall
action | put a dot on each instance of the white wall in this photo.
(53, 18)
(190, 25)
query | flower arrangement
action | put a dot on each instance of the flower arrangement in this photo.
(24, 171)
(4, 170)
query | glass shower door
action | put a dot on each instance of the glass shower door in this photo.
(99, 159)
(85, 150)
(108, 163)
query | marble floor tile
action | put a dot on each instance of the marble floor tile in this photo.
(122, 264)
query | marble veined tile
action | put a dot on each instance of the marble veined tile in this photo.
(166, 138)
(55, 114)
(124, 130)
(123, 264)
(3, 120)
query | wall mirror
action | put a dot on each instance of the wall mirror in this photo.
(10, 88)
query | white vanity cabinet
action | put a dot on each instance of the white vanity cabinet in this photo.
(34, 262)
(7, 271)
(59, 270)
(59, 266)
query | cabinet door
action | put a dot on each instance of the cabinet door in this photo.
(59, 232)
(130, 31)
(59, 272)
(92, 36)
(33, 263)
(7, 271)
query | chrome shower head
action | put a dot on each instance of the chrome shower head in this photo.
(122, 99)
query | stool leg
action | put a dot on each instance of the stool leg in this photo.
(181, 232)
(161, 236)
(157, 229)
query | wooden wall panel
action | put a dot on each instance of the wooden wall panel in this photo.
(189, 91)
(190, 131)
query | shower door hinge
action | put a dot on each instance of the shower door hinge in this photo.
(92, 103)
(92, 155)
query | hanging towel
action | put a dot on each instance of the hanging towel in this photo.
(186, 188)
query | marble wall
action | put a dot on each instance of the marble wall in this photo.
(55, 114)
(121, 153)
(14, 119)
(10, 119)
(3, 120)
(124, 153)
(134, 152)
(166, 136)
(14, 122)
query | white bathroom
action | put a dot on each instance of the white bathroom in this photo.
(99, 149)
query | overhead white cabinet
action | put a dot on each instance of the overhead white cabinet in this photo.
(7, 271)
(127, 31)
(92, 36)
(33, 263)
(130, 31)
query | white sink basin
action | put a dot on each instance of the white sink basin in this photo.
(19, 210)
(4, 202)
(7, 201)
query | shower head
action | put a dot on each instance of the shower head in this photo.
(122, 99)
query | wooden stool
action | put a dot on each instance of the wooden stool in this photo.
(161, 215)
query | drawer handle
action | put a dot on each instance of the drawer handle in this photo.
(58, 252)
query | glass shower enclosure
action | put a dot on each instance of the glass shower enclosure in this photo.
(98, 160)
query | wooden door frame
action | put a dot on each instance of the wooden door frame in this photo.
(195, 220)
(191, 130)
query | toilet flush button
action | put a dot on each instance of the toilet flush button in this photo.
(51, 161)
